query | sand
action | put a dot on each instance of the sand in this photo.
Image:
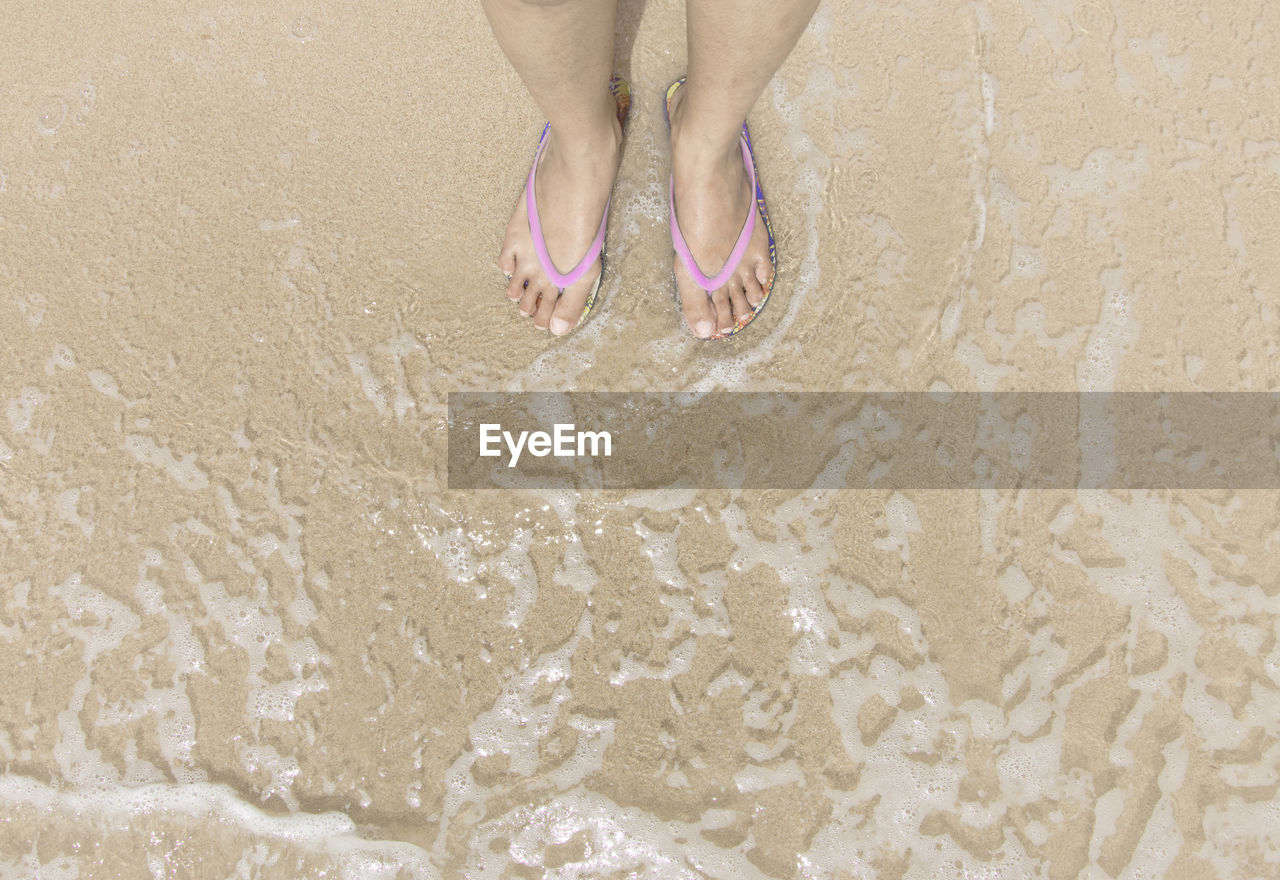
(245, 630)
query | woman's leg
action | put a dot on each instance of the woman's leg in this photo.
(563, 51)
(735, 46)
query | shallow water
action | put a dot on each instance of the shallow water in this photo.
(245, 631)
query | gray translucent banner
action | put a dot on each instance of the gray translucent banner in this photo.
(886, 440)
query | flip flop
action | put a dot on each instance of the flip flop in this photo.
(735, 257)
(621, 92)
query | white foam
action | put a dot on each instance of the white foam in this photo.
(67, 506)
(618, 840)
(29, 866)
(184, 471)
(333, 834)
(22, 409)
(104, 383)
(62, 358)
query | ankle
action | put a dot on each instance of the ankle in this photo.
(699, 148)
(586, 151)
(700, 156)
(589, 143)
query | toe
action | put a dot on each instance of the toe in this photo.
(696, 306)
(699, 315)
(507, 260)
(529, 297)
(559, 326)
(738, 299)
(764, 274)
(753, 291)
(568, 308)
(516, 287)
(542, 317)
(724, 312)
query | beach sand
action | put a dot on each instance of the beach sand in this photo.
(245, 630)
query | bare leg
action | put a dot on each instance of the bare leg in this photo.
(735, 46)
(563, 51)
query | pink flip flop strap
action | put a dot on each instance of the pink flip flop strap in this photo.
(682, 247)
(540, 242)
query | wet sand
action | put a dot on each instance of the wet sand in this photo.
(245, 630)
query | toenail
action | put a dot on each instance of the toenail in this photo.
(559, 326)
(703, 329)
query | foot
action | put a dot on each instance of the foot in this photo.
(713, 194)
(574, 179)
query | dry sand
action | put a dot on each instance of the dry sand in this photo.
(246, 250)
